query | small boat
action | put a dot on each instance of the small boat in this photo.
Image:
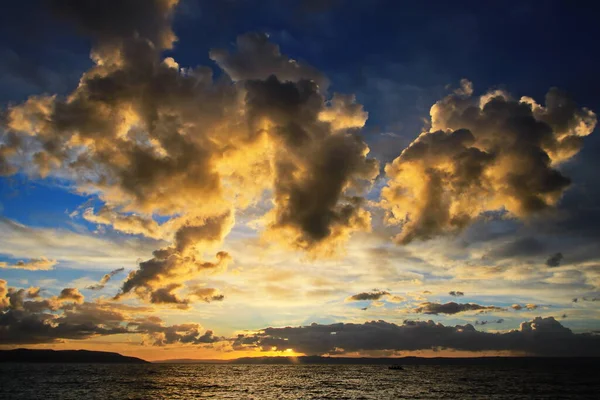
(397, 367)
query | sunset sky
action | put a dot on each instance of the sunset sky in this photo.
(218, 179)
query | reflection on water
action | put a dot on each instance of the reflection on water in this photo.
(164, 381)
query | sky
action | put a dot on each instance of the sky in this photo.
(202, 179)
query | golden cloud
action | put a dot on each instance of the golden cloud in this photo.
(483, 154)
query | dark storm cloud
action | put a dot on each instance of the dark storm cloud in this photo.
(481, 154)
(456, 293)
(541, 337)
(451, 308)
(554, 260)
(104, 280)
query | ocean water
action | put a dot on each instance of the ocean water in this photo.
(198, 381)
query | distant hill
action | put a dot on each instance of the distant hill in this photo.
(513, 362)
(66, 356)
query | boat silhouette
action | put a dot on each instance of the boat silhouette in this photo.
(396, 367)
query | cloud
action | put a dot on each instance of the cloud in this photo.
(519, 247)
(456, 293)
(127, 223)
(71, 294)
(375, 295)
(519, 307)
(4, 300)
(104, 280)
(152, 139)
(18, 327)
(315, 167)
(483, 153)
(451, 308)
(160, 335)
(498, 321)
(9, 145)
(68, 316)
(206, 294)
(166, 295)
(32, 293)
(257, 59)
(554, 260)
(34, 264)
(157, 278)
(541, 337)
(30, 299)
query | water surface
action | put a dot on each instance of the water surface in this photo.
(202, 381)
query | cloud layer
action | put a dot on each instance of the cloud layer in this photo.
(541, 336)
(26, 318)
(452, 308)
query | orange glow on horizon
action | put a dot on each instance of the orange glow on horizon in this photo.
(157, 353)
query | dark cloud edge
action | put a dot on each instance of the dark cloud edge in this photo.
(538, 337)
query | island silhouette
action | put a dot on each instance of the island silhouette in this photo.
(67, 356)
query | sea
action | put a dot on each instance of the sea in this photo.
(222, 381)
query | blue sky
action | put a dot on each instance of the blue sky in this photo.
(397, 60)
